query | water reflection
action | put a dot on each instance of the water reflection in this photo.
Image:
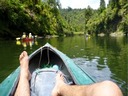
(26, 44)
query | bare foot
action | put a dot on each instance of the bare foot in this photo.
(24, 65)
(58, 85)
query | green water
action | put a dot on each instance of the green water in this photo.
(104, 58)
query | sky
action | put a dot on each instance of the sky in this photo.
(81, 3)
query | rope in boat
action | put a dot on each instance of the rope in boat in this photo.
(48, 55)
(40, 57)
(41, 51)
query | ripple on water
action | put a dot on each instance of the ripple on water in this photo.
(100, 72)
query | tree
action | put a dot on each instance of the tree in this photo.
(114, 3)
(102, 5)
(41, 17)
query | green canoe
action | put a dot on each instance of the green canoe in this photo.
(47, 56)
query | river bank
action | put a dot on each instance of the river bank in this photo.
(114, 34)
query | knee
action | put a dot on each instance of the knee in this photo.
(109, 85)
(110, 88)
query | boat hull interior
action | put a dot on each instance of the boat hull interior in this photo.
(47, 58)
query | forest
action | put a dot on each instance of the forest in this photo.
(107, 20)
(46, 17)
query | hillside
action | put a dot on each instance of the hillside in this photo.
(114, 18)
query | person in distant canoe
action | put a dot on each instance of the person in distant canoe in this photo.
(30, 36)
(105, 88)
(24, 35)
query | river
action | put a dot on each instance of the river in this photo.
(104, 58)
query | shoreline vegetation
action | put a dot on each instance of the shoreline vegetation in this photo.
(48, 19)
(115, 34)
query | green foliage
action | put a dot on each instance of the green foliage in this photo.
(112, 19)
(102, 5)
(35, 16)
(45, 17)
(123, 25)
(74, 20)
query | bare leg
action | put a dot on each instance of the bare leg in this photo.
(106, 88)
(23, 85)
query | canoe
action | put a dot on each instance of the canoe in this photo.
(47, 57)
(27, 39)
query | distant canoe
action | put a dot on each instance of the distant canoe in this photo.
(47, 56)
(27, 39)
